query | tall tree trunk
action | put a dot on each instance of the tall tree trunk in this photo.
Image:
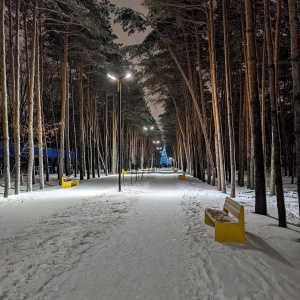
(93, 134)
(74, 130)
(272, 166)
(295, 58)
(46, 158)
(260, 186)
(63, 105)
(39, 114)
(263, 99)
(241, 173)
(30, 170)
(202, 98)
(81, 121)
(4, 104)
(229, 102)
(216, 110)
(87, 131)
(17, 104)
(67, 128)
(274, 120)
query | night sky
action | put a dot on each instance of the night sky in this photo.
(123, 37)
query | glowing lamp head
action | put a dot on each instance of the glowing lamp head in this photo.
(112, 77)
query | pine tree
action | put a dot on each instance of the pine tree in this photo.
(164, 157)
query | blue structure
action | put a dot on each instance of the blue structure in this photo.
(52, 153)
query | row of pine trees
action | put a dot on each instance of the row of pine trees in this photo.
(55, 56)
(229, 80)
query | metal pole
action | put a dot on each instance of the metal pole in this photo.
(120, 135)
(149, 150)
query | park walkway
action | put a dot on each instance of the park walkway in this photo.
(147, 242)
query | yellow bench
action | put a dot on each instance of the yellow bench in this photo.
(67, 182)
(124, 172)
(227, 229)
(182, 177)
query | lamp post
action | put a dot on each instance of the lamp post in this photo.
(120, 123)
(156, 143)
(148, 128)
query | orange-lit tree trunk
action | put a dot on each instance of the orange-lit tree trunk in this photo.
(30, 170)
(63, 106)
(39, 114)
(229, 102)
(215, 104)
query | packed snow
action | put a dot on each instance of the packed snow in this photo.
(148, 241)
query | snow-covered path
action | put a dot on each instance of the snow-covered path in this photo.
(147, 258)
(147, 242)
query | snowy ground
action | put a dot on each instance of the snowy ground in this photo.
(147, 242)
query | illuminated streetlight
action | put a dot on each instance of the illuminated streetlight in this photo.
(120, 119)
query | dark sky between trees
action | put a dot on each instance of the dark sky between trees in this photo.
(136, 38)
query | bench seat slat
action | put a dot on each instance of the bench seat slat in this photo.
(232, 210)
(219, 216)
(233, 203)
(233, 207)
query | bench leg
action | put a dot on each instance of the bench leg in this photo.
(225, 232)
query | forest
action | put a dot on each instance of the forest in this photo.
(226, 73)
(55, 57)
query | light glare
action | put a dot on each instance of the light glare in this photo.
(112, 77)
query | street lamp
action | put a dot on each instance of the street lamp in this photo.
(148, 129)
(120, 123)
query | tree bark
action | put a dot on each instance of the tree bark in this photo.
(216, 110)
(295, 58)
(64, 79)
(30, 170)
(275, 132)
(67, 127)
(229, 103)
(260, 186)
(17, 103)
(39, 115)
(4, 103)
(81, 120)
